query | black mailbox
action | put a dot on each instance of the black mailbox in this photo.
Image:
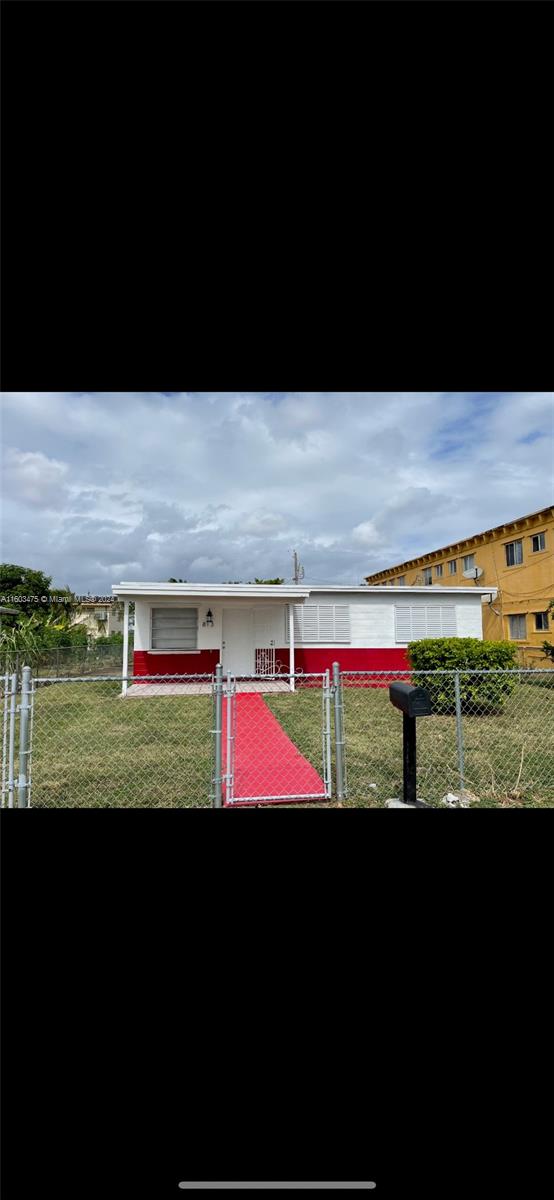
(414, 701)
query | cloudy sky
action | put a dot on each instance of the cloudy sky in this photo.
(218, 486)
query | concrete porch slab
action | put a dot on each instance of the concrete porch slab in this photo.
(142, 690)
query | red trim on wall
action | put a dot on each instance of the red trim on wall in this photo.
(314, 659)
(351, 658)
(202, 663)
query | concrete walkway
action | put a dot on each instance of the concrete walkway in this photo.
(203, 689)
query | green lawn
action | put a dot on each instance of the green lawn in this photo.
(93, 749)
(509, 757)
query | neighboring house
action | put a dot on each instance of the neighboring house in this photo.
(516, 558)
(100, 615)
(260, 629)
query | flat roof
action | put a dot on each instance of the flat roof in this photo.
(282, 591)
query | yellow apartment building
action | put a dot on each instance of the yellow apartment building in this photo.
(517, 558)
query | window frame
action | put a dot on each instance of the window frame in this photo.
(521, 617)
(427, 582)
(452, 566)
(173, 649)
(319, 640)
(466, 564)
(439, 570)
(542, 535)
(541, 628)
(508, 546)
(443, 610)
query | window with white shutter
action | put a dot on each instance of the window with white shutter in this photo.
(416, 621)
(320, 623)
(174, 628)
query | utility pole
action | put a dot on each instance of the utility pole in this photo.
(298, 569)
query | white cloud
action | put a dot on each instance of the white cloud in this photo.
(225, 485)
(35, 479)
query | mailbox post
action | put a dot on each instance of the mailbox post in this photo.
(413, 702)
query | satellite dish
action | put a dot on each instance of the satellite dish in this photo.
(473, 573)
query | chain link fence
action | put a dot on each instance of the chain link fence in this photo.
(275, 749)
(204, 741)
(94, 748)
(490, 737)
(60, 662)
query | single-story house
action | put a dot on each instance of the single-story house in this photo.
(188, 628)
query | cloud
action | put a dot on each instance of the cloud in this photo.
(33, 478)
(216, 485)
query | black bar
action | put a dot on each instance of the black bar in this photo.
(409, 754)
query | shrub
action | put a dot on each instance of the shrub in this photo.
(484, 693)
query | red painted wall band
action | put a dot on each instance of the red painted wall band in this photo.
(317, 660)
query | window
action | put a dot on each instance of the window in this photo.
(174, 628)
(416, 621)
(427, 575)
(401, 581)
(320, 623)
(538, 542)
(517, 627)
(514, 553)
(438, 571)
(469, 562)
(541, 620)
(452, 566)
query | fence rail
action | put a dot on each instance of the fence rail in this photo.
(203, 740)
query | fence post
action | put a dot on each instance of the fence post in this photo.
(5, 736)
(230, 756)
(24, 710)
(339, 740)
(218, 733)
(11, 738)
(459, 730)
(327, 732)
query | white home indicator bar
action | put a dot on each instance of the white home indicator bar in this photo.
(281, 1186)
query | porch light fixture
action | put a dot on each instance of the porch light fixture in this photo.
(209, 617)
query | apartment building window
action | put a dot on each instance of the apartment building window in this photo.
(518, 629)
(438, 570)
(452, 566)
(541, 620)
(427, 575)
(401, 581)
(469, 562)
(514, 553)
(538, 542)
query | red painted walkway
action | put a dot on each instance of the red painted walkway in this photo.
(268, 766)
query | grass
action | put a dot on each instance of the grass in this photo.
(509, 757)
(93, 749)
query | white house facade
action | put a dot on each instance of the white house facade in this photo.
(265, 629)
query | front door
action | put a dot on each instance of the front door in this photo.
(238, 641)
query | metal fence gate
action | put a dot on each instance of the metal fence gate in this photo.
(261, 754)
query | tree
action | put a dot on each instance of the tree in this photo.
(177, 581)
(277, 581)
(30, 592)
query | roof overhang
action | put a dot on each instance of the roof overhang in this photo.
(278, 592)
(212, 590)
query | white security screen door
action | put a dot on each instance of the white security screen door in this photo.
(238, 641)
